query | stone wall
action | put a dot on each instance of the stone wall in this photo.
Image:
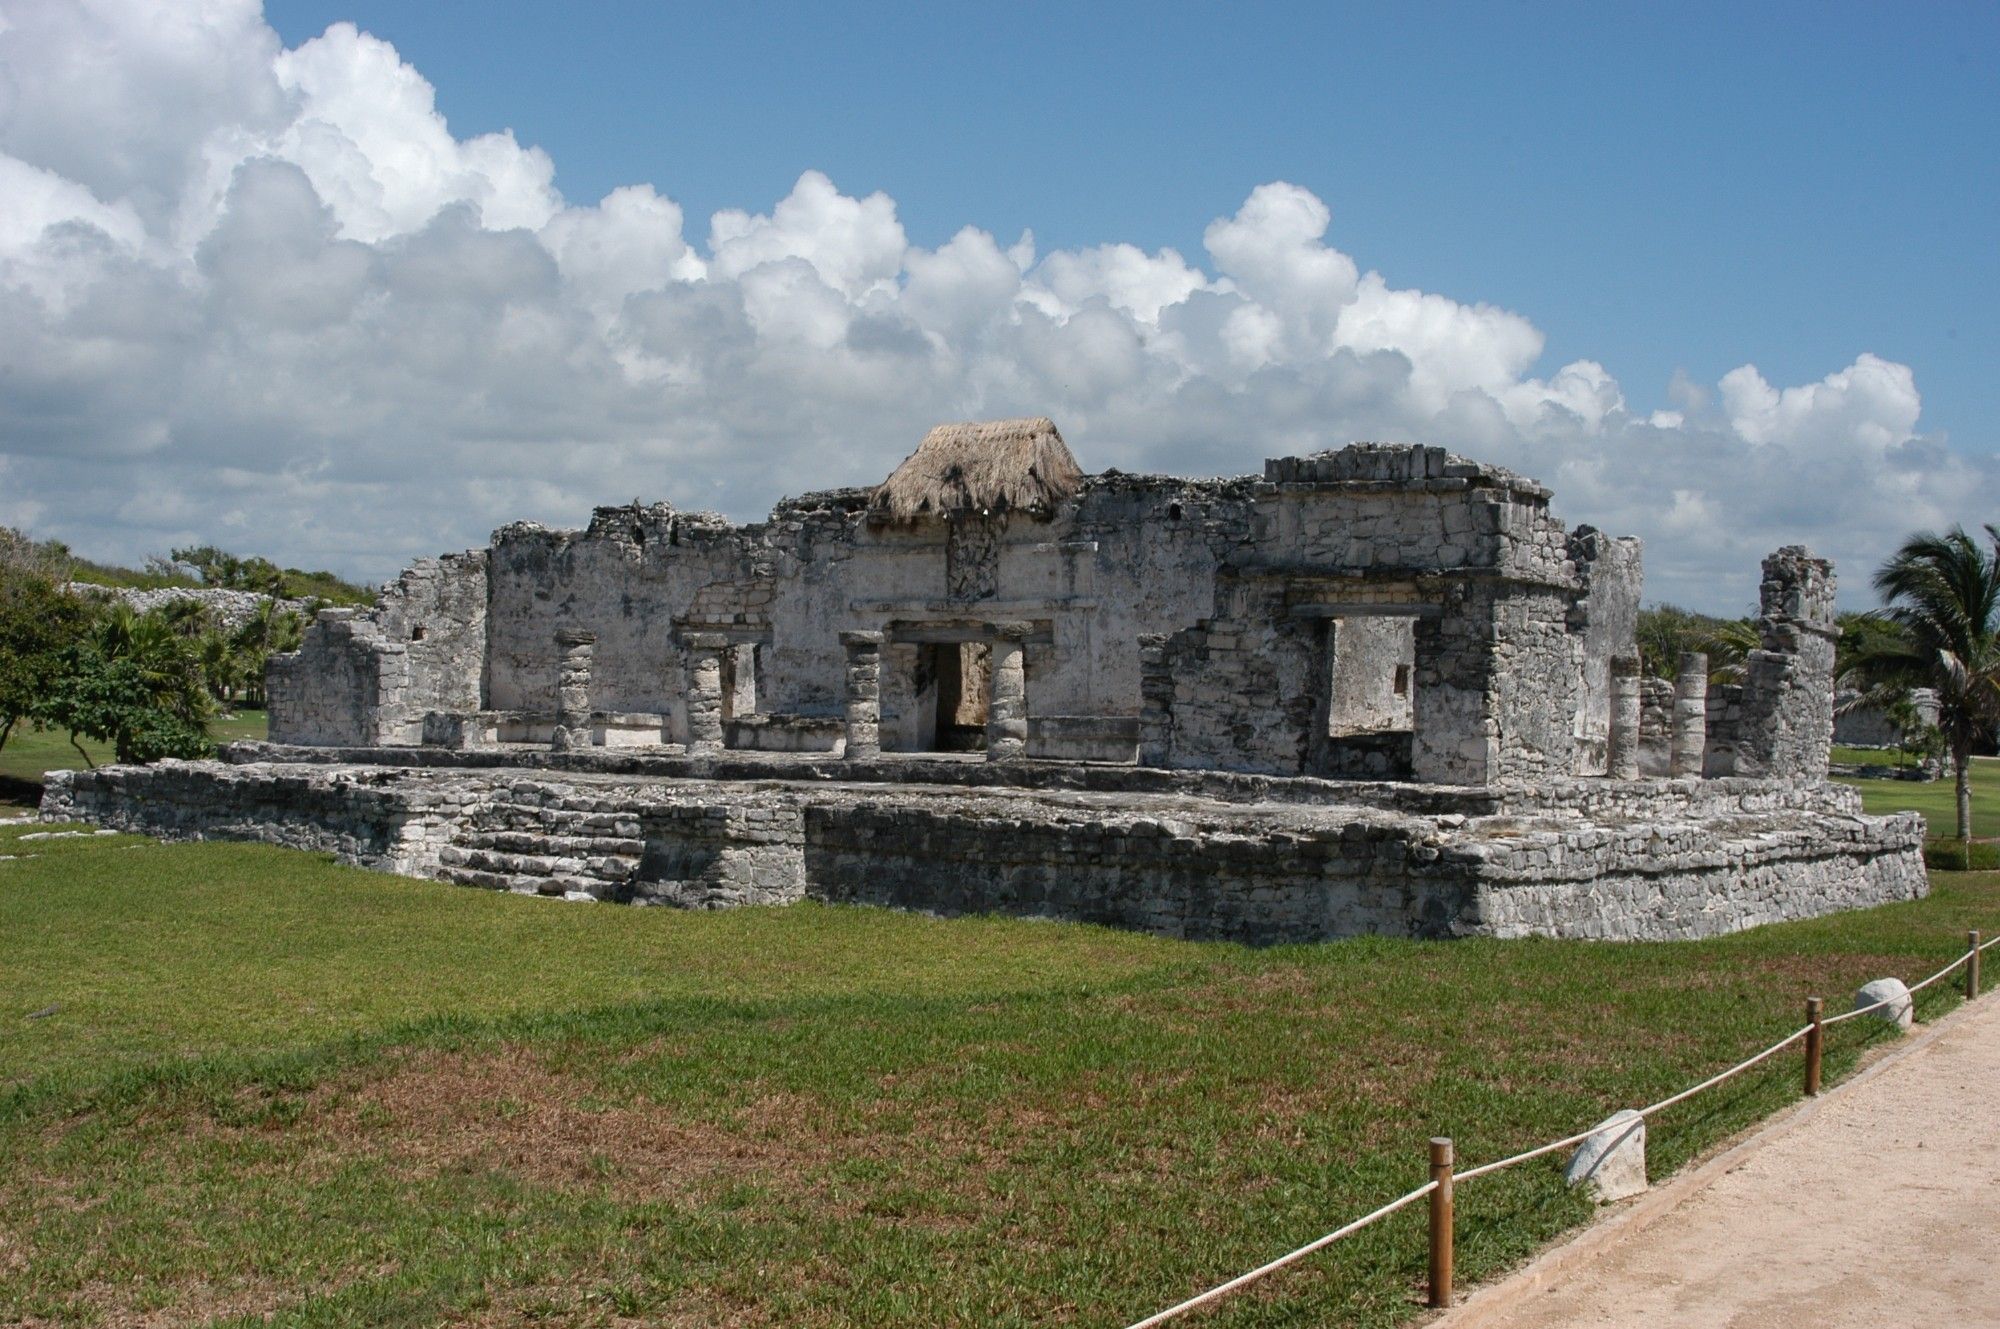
(1780, 725)
(340, 686)
(232, 609)
(1605, 620)
(1374, 660)
(1176, 875)
(1559, 857)
(371, 676)
(1454, 569)
(1671, 881)
(1857, 724)
(1656, 723)
(1481, 579)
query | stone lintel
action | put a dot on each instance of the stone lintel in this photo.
(945, 633)
(1364, 609)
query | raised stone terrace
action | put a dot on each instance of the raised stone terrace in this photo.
(1205, 855)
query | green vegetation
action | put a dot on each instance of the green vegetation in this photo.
(146, 685)
(199, 566)
(1937, 800)
(32, 753)
(256, 1082)
(1667, 631)
(1943, 597)
(219, 567)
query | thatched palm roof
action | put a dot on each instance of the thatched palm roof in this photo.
(989, 467)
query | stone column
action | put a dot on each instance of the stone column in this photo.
(572, 729)
(743, 679)
(1623, 763)
(1156, 701)
(1690, 715)
(1007, 697)
(864, 694)
(704, 692)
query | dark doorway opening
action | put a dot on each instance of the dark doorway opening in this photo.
(961, 671)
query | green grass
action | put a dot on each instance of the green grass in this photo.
(268, 1084)
(30, 754)
(1938, 799)
(1845, 756)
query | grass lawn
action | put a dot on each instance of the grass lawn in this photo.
(241, 1082)
(1937, 799)
(29, 754)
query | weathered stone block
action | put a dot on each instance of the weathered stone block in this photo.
(1612, 1161)
(1900, 1007)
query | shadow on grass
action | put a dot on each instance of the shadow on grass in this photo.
(15, 791)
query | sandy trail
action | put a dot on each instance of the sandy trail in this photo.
(1879, 1208)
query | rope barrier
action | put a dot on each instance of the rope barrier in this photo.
(1499, 1165)
(1737, 1069)
(1860, 1010)
(1224, 1289)
(1919, 987)
(1912, 990)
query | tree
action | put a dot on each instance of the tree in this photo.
(116, 701)
(37, 621)
(1666, 632)
(132, 681)
(266, 633)
(1943, 592)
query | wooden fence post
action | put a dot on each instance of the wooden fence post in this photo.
(1972, 965)
(1815, 1038)
(1441, 1222)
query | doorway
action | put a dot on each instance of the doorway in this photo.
(960, 672)
(1365, 711)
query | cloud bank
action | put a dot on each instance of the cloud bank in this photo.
(264, 297)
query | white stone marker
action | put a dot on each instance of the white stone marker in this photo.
(1901, 1010)
(1613, 1159)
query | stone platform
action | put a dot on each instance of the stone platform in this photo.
(1201, 855)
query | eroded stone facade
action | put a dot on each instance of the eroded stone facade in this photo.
(1379, 689)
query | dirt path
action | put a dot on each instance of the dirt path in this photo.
(1880, 1206)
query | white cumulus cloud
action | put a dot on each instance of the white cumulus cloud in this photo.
(265, 297)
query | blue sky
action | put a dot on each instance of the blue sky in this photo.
(1674, 187)
(347, 284)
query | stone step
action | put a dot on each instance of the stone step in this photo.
(508, 816)
(530, 842)
(568, 888)
(606, 867)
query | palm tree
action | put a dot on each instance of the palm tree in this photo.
(165, 663)
(1944, 592)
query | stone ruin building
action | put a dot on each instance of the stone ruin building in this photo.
(1379, 689)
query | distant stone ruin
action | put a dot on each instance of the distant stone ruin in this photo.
(229, 608)
(1379, 689)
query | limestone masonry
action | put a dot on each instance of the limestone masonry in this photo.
(1380, 689)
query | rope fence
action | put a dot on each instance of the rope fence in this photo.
(1440, 1188)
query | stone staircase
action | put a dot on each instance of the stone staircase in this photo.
(540, 847)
